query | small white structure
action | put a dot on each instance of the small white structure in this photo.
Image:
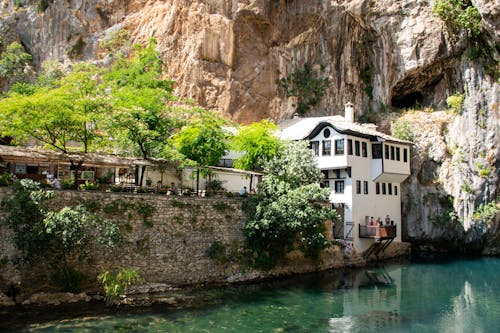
(364, 169)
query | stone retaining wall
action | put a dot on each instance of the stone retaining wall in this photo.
(167, 247)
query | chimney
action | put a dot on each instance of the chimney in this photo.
(349, 112)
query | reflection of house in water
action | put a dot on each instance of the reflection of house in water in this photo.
(373, 304)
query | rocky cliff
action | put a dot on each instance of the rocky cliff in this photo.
(228, 54)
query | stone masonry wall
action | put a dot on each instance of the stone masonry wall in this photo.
(168, 247)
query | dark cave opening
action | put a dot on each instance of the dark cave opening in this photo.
(408, 100)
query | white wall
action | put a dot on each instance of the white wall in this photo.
(393, 165)
(332, 160)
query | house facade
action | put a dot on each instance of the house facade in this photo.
(363, 168)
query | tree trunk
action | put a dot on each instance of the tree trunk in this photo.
(143, 169)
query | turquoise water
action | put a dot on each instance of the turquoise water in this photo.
(449, 296)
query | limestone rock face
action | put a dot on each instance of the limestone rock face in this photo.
(227, 54)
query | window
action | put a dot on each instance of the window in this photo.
(327, 148)
(326, 133)
(325, 174)
(314, 145)
(358, 186)
(349, 147)
(356, 148)
(405, 155)
(337, 173)
(392, 153)
(386, 152)
(398, 154)
(339, 186)
(339, 147)
(376, 151)
(365, 185)
(364, 149)
(395, 190)
(325, 184)
(389, 188)
(377, 188)
(384, 189)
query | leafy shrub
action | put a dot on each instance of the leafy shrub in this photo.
(116, 282)
(459, 15)
(455, 102)
(115, 40)
(5, 179)
(76, 50)
(115, 188)
(89, 186)
(486, 212)
(217, 251)
(67, 184)
(306, 85)
(402, 130)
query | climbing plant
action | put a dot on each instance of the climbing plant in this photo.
(306, 85)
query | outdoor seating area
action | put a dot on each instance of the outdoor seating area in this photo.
(377, 231)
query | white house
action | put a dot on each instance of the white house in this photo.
(364, 169)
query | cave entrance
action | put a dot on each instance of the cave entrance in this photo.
(408, 100)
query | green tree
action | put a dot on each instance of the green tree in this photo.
(257, 143)
(203, 141)
(15, 64)
(306, 85)
(57, 237)
(290, 211)
(58, 117)
(140, 119)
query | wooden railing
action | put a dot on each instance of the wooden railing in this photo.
(384, 232)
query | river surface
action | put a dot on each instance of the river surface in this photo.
(461, 295)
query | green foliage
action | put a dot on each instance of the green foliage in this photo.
(67, 184)
(466, 187)
(25, 211)
(459, 15)
(483, 169)
(257, 142)
(140, 119)
(455, 102)
(203, 140)
(402, 130)
(57, 117)
(13, 62)
(89, 186)
(486, 213)
(115, 40)
(116, 282)
(43, 5)
(58, 237)
(220, 206)
(290, 212)
(306, 85)
(5, 179)
(76, 50)
(217, 252)
(145, 210)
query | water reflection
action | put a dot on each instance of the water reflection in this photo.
(455, 296)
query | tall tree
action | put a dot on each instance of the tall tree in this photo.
(15, 64)
(140, 119)
(203, 141)
(257, 143)
(63, 118)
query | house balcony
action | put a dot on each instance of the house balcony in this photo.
(377, 232)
